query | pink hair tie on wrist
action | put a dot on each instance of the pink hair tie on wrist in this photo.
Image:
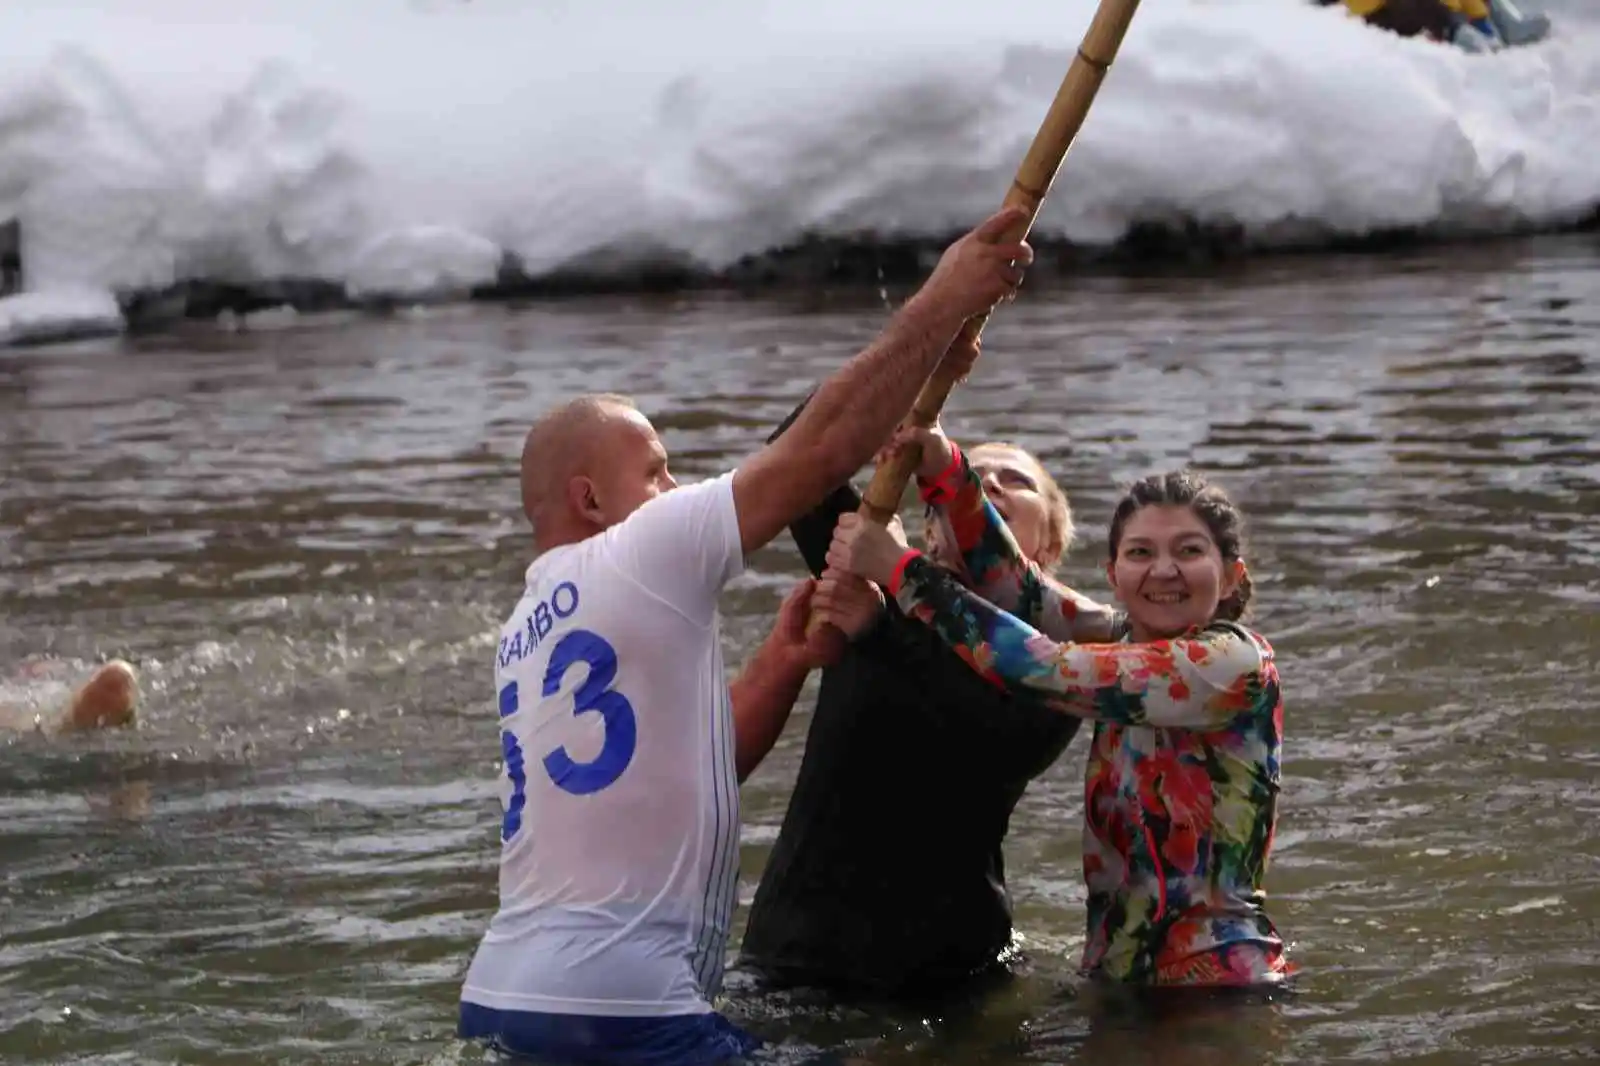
(943, 488)
(898, 574)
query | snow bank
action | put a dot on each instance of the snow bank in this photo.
(403, 149)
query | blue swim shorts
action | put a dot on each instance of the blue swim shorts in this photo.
(593, 1040)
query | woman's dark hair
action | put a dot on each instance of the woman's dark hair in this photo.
(1186, 488)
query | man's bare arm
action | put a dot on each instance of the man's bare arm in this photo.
(762, 695)
(766, 689)
(856, 409)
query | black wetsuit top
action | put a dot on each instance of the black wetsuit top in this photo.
(887, 878)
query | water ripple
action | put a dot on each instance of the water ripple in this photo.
(306, 539)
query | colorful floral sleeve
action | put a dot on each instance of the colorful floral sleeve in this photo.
(999, 572)
(1198, 683)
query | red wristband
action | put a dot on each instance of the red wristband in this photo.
(898, 574)
(943, 488)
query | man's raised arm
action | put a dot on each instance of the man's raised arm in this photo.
(856, 409)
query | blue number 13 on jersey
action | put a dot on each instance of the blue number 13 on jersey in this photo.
(594, 695)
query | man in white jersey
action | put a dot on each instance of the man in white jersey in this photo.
(623, 743)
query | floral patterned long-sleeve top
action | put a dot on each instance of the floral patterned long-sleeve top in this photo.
(1182, 782)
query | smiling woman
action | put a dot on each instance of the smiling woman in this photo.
(1182, 779)
(1176, 556)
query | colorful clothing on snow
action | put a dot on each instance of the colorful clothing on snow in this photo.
(1183, 774)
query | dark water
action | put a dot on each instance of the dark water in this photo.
(305, 536)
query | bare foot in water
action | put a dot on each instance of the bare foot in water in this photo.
(107, 700)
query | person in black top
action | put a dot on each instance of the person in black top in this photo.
(887, 880)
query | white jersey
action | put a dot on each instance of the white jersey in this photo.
(620, 840)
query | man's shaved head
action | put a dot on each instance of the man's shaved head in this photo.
(561, 444)
(599, 437)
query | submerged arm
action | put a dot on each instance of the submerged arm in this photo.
(1192, 683)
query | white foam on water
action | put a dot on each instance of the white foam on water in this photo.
(401, 148)
(35, 691)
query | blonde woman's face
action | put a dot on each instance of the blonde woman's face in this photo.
(1014, 482)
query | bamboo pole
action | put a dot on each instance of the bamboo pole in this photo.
(1032, 182)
